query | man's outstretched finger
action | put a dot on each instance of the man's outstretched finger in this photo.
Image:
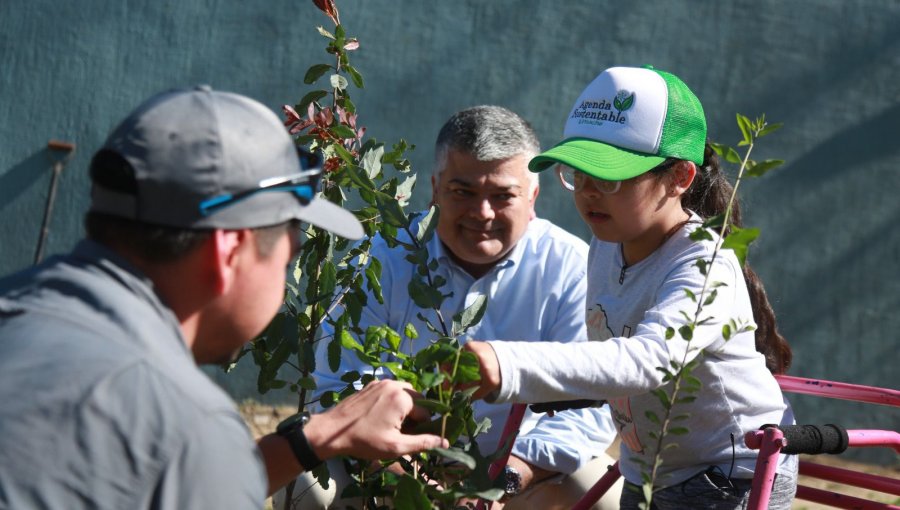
(406, 443)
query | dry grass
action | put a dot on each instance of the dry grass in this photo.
(262, 420)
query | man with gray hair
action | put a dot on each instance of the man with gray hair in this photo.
(490, 243)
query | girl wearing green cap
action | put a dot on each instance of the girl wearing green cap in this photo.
(643, 178)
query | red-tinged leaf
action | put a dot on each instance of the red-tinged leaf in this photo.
(300, 126)
(360, 132)
(342, 115)
(290, 113)
(328, 7)
(311, 111)
(352, 44)
(331, 164)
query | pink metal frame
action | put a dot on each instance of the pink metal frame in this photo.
(770, 442)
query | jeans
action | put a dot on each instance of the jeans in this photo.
(710, 490)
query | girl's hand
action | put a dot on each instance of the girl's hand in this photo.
(489, 366)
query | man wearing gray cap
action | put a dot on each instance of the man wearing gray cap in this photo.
(196, 202)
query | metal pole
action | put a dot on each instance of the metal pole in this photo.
(58, 164)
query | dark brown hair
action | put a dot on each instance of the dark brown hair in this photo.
(161, 244)
(708, 196)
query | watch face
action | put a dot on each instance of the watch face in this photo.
(290, 422)
(513, 481)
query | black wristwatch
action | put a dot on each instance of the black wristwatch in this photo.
(513, 482)
(292, 430)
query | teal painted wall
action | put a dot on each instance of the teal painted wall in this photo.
(828, 69)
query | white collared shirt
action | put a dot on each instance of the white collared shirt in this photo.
(536, 293)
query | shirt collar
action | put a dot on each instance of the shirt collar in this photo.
(514, 257)
(129, 276)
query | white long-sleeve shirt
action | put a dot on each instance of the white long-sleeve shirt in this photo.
(535, 294)
(628, 312)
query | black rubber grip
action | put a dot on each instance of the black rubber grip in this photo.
(562, 405)
(815, 439)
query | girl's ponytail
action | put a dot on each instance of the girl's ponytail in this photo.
(708, 196)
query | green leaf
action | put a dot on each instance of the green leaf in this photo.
(343, 153)
(307, 383)
(726, 331)
(350, 376)
(325, 33)
(470, 316)
(348, 342)
(371, 161)
(390, 210)
(712, 297)
(334, 355)
(761, 168)
(338, 82)
(392, 338)
(686, 332)
(401, 374)
(373, 282)
(355, 76)
(327, 279)
(432, 405)
(435, 354)
(678, 431)
(410, 331)
(410, 494)
(423, 295)
(428, 380)
(458, 455)
(663, 397)
(468, 368)
(703, 265)
(700, 234)
(427, 225)
(342, 131)
(310, 97)
(739, 241)
(744, 124)
(732, 156)
(769, 129)
(692, 381)
(652, 417)
(315, 72)
(670, 333)
(404, 190)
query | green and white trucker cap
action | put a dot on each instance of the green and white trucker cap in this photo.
(627, 121)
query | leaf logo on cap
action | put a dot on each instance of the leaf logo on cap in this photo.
(624, 100)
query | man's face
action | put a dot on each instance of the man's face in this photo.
(255, 297)
(485, 208)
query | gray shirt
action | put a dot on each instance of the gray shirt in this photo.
(103, 405)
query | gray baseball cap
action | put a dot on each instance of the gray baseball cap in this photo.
(200, 159)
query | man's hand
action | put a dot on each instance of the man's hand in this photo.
(367, 424)
(489, 366)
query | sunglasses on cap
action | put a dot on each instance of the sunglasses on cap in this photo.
(303, 185)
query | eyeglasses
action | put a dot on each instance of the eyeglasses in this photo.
(574, 180)
(303, 185)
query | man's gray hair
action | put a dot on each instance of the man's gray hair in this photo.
(487, 133)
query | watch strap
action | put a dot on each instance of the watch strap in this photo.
(292, 430)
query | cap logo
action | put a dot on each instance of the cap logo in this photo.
(624, 100)
(597, 112)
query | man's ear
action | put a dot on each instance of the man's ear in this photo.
(683, 175)
(223, 253)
